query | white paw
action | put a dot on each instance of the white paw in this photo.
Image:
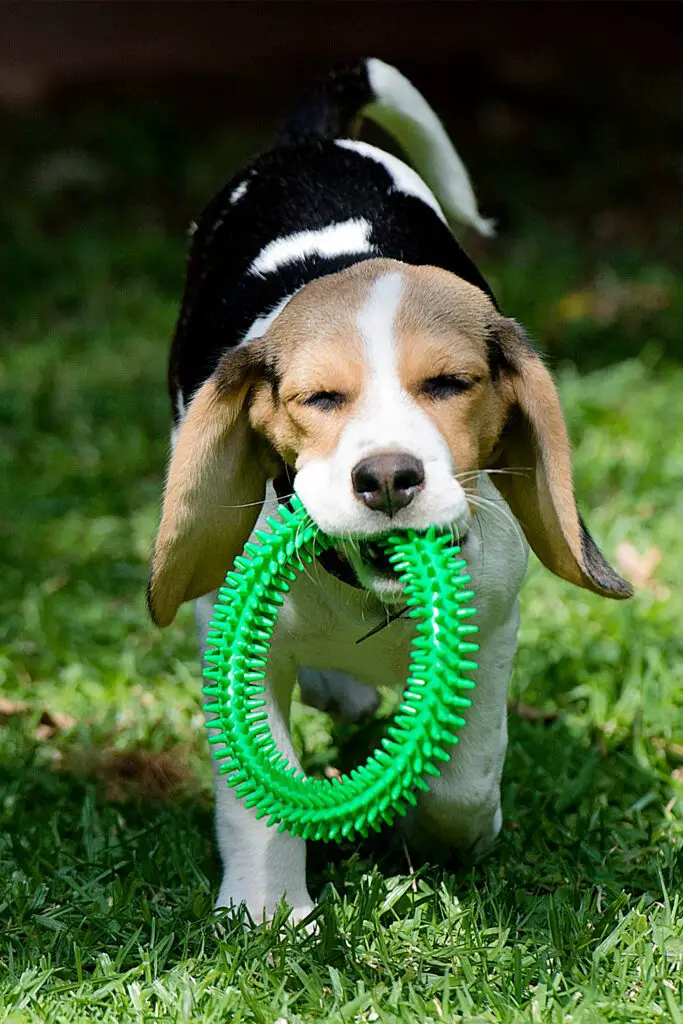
(300, 914)
(337, 694)
(261, 908)
(488, 835)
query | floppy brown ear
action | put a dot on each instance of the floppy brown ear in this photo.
(535, 447)
(214, 489)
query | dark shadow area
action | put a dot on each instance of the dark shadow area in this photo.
(594, 831)
(128, 867)
(569, 117)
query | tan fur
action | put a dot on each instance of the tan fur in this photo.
(441, 329)
(442, 326)
(535, 447)
(314, 345)
(216, 465)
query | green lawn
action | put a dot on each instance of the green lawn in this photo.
(107, 863)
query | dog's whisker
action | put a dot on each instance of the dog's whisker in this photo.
(481, 540)
(494, 506)
(316, 561)
(509, 471)
(473, 473)
(252, 504)
(305, 569)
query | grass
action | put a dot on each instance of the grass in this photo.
(107, 864)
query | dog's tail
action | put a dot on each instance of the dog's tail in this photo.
(370, 88)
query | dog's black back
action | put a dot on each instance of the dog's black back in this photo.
(307, 183)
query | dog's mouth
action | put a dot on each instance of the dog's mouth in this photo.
(374, 556)
(370, 561)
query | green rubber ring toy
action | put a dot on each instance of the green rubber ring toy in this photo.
(434, 698)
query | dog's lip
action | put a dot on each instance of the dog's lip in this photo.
(374, 557)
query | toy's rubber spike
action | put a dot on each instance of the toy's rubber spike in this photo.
(424, 731)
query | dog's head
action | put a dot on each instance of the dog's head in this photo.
(385, 388)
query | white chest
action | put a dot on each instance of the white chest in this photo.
(323, 620)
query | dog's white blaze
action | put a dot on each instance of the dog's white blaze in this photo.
(405, 179)
(386, 417)
(349, 236)
(375, 322)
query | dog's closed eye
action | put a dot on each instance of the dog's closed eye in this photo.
(445, 385)
(326, 401)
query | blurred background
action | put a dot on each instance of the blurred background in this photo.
(127, 117)
(118, 122)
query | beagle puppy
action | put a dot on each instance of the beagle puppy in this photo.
(336, 342)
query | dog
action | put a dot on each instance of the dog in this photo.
(335, 341)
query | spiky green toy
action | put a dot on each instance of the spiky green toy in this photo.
(429, 716)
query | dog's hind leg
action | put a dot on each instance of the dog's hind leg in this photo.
(337, 693)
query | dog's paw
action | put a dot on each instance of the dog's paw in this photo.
(253, 909)
(298, 917)
(488, 835)
(436, 829)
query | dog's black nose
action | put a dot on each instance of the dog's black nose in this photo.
(389, 481)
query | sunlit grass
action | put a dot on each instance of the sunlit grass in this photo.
(107, 878)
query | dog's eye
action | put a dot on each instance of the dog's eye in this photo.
(327, 401)
(446, 385)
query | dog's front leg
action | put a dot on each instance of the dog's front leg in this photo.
(261, 865)
(462, 809)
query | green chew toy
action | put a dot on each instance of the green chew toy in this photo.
(430, 714)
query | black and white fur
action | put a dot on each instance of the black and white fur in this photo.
(316, 203)
(320, 201)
